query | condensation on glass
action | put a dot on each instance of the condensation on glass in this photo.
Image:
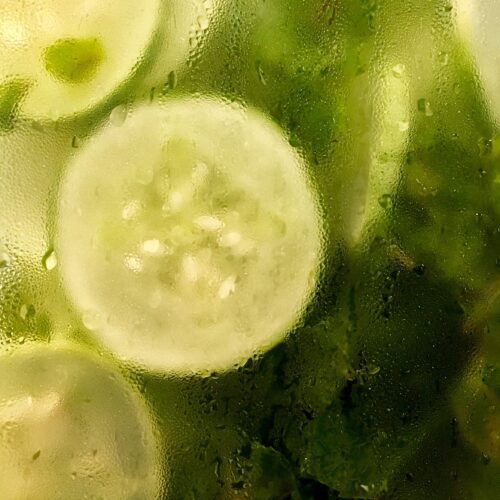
(249, 249)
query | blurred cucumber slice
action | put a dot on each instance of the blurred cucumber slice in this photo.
(477, 21)
(78, 54)
(376, 176)
(189, 235)
(71, 428)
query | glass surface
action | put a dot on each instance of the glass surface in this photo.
(249, 249)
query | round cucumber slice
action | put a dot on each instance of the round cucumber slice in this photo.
(189, 237)
(71, 428)
(74, 55)
(477, 21)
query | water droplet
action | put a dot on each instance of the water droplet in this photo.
(419, 270)
(227, 287)
(485, 145)
(172, 80)
(27, 311)
(4, 260)
(385, 201)
(443, 58)
(398, 70)
(203, 22)
(217, 467)
(35, 125)
(373, 369)
(485, 458)
(118, 115)
(424, 106)
(403, 126)
(49, 260)
(260, 73)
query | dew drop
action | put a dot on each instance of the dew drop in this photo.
(4, 260)
(385, 201)
(227, 287)
(49, 260)
(202, 22)
(398, 70)
(172, 80)
(403, 126)
(424, 106)
(260, 73)
(27, 311)
(118, 115)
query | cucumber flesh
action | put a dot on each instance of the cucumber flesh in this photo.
(477, 22)
(72, 428)
(189, 237)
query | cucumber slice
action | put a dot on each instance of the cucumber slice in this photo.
(77, 54)
(378, 170)
(477, 22)
(71, 428)
(189, 236)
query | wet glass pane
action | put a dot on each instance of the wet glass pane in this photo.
(250, 249)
